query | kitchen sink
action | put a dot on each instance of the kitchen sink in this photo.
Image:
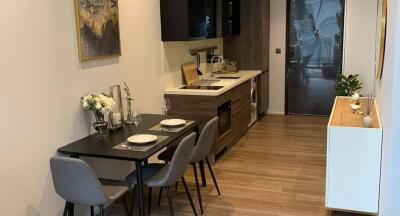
(196, 87)
(228, 77)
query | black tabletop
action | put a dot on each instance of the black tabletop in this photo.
(94, 146)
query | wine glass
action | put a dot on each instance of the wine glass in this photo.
(166, 106)
(136, 117)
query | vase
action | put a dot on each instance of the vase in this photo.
(368, 121)
(100, 125)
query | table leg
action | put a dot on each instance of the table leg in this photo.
(203, 174)
(140, 187)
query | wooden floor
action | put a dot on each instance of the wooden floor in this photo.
(277, 169)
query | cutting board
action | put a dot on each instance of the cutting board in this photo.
(189, 71)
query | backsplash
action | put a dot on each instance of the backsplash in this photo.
(176, 53)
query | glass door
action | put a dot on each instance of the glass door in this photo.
(314, 57)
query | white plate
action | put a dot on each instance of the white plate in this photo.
(173, 122)
(142, 139)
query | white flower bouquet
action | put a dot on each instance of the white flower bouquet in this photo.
(99, 103)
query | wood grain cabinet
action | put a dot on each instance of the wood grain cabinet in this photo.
(251, 47)
(353, 160)
(232, 107)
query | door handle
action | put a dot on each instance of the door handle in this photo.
(293, 62)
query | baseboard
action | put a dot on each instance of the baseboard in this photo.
(275, 113)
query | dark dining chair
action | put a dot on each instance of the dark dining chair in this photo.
(165, 175)
(76, 183)
(200, 152)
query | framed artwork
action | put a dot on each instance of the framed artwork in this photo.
(97, 29)
(382, 41)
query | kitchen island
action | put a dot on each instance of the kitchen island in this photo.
(230, 101)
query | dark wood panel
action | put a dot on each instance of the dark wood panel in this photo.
(251, 47)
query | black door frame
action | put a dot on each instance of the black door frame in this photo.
(287, 51)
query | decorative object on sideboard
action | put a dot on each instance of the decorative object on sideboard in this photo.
(116, 117)
(382, 46)
(97, 29)
(129, 102)
(100, 105)
(356, 104)
(348, 85)
(369, 104)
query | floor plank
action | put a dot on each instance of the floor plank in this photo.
(276, 169)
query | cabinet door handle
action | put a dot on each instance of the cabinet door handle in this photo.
(230, 8)
(236, 100)
(230, 26)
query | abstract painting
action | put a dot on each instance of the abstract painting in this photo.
(98, 29)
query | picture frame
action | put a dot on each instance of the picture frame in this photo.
(98, 31)
(382, 40)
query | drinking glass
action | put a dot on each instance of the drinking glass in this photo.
(136, 117)
(166, 106)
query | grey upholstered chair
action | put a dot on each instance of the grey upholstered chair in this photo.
(165, 175)
(76, 182)
(200, 152)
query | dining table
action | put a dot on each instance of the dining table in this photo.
(106, 147)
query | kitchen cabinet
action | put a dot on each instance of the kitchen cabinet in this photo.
(230, 17)
(251, 47)
(232, 107)
(353, 160)
(185, 20)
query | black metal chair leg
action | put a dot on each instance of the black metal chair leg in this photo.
(212, 175)
(66, 208)
(196, 179)
(160, 196)
(150, 196)
(91, 211)
(101, 210)
(203, 174)
(188, 195)
(71, 209)
(127, 211)
(133, 199)
(171, 207)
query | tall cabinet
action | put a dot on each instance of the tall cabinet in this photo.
(251, 47)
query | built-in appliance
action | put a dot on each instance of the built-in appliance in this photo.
(254, 101)
(263, 92)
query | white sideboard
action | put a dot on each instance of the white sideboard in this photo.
(353, 160)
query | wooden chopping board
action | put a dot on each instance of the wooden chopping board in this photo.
(189, 71)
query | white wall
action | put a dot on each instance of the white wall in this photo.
(41, 82)
(388, 96)
(359, 50)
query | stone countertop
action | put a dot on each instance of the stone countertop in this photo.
(227, 84)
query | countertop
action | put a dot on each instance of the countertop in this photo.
(227, 84)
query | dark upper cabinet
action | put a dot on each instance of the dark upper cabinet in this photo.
(230, 17)
(184, 20)
(251, 47)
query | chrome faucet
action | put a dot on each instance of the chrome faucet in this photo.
(221, 58)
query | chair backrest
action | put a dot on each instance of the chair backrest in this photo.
(76, 182)
(178, 165)
(205, 141)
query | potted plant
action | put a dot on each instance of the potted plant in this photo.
(348, 85)
(100, 105)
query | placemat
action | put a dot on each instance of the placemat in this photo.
(142, 148)
(161, 128)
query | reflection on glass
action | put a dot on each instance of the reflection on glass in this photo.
(315, 55)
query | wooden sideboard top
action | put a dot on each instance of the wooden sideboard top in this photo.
(343, 116)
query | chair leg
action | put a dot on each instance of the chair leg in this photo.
(66, 208)
(160, 196)
(150, 195)
(196, 179)
(133, 199)
(127, 211)
(91, 211)
(171, 207)
(203, 173)
(188, 195)
(71, 209)
(101, 210)
(212, 175)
